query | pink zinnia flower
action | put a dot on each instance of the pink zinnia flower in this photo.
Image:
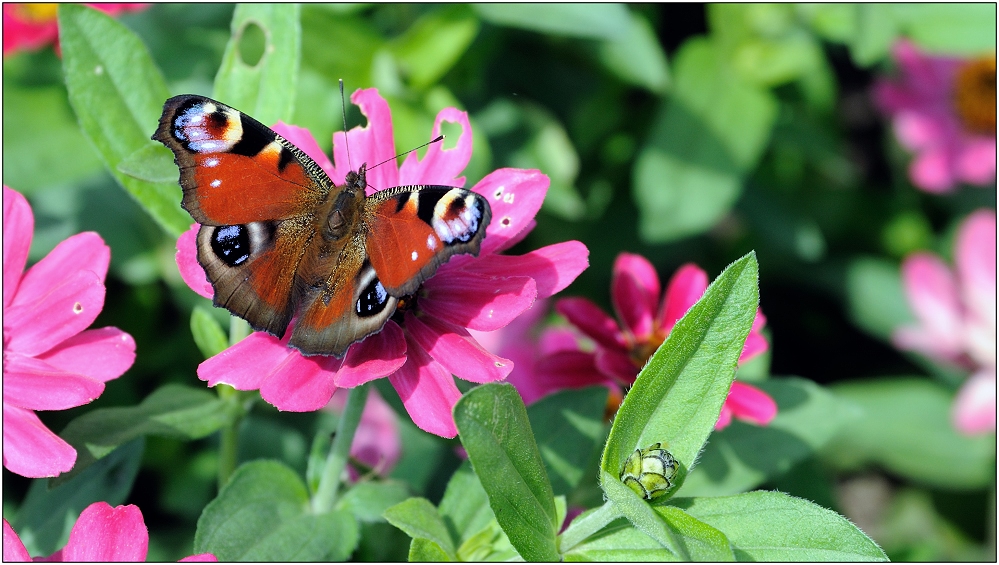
(956, 316)
(624, 346)
(376, 442)
(32, 25)
(944, 110)
(420, 349)
(50, 360)
(101, 533)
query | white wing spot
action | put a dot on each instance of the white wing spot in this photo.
(212, 162)
(415, 255)
(215, 183)
(431, 243)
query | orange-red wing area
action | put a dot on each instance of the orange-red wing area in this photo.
(400, 245)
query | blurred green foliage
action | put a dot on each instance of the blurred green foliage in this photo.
(681, 132)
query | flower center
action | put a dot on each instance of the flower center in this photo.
(38, 13)
(641, 351)
(975, 94)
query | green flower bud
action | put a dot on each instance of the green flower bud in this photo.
(650, 471)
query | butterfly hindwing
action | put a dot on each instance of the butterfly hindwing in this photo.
(412, 230)
(235, 170)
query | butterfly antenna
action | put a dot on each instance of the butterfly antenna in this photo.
(438, 138)
(343, 110)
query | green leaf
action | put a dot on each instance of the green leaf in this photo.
(592, 21)
(876, 31)
(702, 542)
(48, 512)
(875, 296)
(39, 131)
(173, 410)
(772, 526)
(117, 93)
(494, 429)
(619, 541)
(677, 397)
(572, 421)
(743, 456)
(367, 501)
(642, 516)
(465, 506)
(950, 28)
(488, 544)
(906, 427)
(265, 89)
(434, 43)
(420, 520)
(425, 551)
(549, 149)
(711, 133)
(637, 57)
(208, 333)
(153, 163)
(262, 515)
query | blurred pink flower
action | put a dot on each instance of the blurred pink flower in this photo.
(956, 316)
(943, 109)
(624, 346)
(101, 533)
(29, 26)
(50, 360)
(420, 349)
(376, 442)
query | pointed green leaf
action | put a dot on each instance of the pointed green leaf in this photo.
(419, 519)
(153, 163)
(620, 541)
(434, 43)
(573, 423)
(641, 515)
(494, 429)
(594, 21)
(425, 551)
(207, 332)
(264, 89)
(117, 93)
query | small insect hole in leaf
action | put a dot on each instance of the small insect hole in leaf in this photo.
(252, 43)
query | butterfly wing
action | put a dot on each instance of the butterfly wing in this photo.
(255, 195)
(412, 230)
(235, 170)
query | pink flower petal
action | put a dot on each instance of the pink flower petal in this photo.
(378, 355)
(439, 165)
(23, 34)
(456, 350)
(187, 262)
(427, 391)
(200, 558)
(302, 138)
(558, 339)
(552, 267)
(976, 164)
(35, 385)
(685, 288)
(975, 259)
(975, 406)
(376, 443)
(30, 449)
(616, 363)
(371, 144)
(103, 533)
(299, 384)
(918, 130)
(724, 418)
(932, 171)
(478, 303)
(755, 345)
(751, 404)
(82, 252)
(634, 293)
(932, 293)
(515, 196)
(568, 370)
(101, 354)
(246, 365)
(18, 226)
(592, 321)
(13, 549)
(67, 308)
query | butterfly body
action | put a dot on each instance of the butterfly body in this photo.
(279, 240)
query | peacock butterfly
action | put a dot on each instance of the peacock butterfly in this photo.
(279, 240)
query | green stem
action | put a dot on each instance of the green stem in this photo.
(329, 483)
(229, 440)
(582, 528)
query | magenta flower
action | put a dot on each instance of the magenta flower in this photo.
(944, 110)
(956, 317)
(28, 26)
(624, 346)
(376, 442)
(50, 360)
(420, 349)
(101, 533)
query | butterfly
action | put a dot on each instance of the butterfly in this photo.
(279, 240)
